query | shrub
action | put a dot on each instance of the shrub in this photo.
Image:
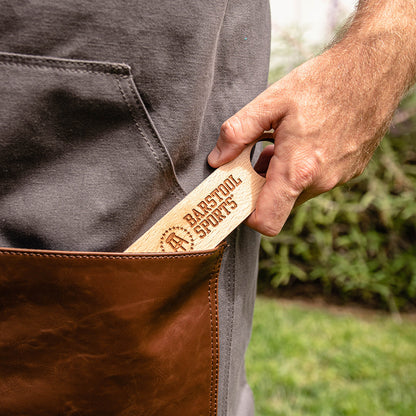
(357, 240)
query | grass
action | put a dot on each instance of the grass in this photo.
(304, 361)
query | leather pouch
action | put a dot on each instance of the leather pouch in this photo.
(108, 334)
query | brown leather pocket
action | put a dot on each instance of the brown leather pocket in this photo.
(108, 334)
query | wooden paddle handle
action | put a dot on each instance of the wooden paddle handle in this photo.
(209, 213)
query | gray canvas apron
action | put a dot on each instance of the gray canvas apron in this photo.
(109, 108)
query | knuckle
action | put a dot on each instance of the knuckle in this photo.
(230, 129)
(270, 229)
(359, 171)
(313, 174)
(359, 168)
(329, 183)
(306, 171)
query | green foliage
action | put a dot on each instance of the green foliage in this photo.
(359, 239)
(306, 362)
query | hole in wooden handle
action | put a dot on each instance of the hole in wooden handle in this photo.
(209, 213)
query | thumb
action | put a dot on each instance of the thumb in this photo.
(242, 129)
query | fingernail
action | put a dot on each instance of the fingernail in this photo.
(214, 156)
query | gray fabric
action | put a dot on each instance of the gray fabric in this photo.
(111, 107)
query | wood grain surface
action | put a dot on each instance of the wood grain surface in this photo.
(209, 213)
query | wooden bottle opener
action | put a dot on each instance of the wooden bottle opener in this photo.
(209, 213)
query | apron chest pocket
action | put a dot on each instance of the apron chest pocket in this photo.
(108, 334)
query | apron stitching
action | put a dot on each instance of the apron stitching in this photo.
(213, 302)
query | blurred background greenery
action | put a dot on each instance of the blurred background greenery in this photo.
(352, 246)
(357, 241)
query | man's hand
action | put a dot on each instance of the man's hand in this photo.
(329, 114)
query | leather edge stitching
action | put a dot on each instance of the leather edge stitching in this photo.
(213, 311)
(106, 256)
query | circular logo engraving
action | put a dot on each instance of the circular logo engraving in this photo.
(176, 239)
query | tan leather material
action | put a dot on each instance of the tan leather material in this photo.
(108, 334)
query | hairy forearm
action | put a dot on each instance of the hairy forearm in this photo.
(385, 16)
(371, 65)
(382, 38)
